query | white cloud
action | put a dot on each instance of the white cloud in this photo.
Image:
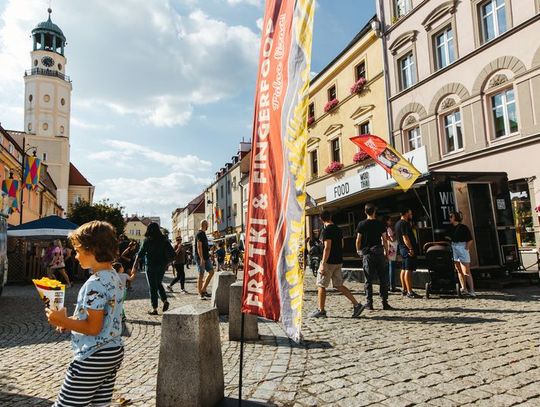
(250, 2)
(134, 57)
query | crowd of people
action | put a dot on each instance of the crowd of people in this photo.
(379, 243)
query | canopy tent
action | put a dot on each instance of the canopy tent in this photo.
(47, 228)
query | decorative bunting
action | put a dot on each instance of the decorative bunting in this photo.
(32, 170)
(10, 187)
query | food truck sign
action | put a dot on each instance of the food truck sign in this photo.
(373, 177)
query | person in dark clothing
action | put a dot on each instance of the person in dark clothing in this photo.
(179, 262)
(461, 238)
(203, 261)
(156, 249)
(235, 258)
(330, 268)
(220, 256)
(127, 258)
(408, 249)
(371, 244)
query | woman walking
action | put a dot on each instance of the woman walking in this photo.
(57, 263)
(461, 238)
(391, 254)
(158, 253)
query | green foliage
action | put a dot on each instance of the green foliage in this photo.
(83, 212)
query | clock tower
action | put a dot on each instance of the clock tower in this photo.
(47, 104)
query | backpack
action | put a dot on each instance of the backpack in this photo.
(169, 253)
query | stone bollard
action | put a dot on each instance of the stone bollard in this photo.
(190, 370)
(220, 291)
(251, 330)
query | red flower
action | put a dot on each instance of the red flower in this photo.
(358, 86)
(334, 166)
(331, 104)
(360, 156)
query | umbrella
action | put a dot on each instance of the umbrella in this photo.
(49, 227)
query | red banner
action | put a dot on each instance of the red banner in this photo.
(388, 158)
(273, 276)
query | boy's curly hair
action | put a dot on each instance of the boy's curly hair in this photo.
(97, 237)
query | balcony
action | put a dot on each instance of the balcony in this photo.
(47, 72)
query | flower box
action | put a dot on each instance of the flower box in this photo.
(358, 86)
(310, 120)
(330, 105)
(334, 166)
(360, 156)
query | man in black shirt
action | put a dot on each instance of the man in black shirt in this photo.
(202, 258)
(408, 249)
(371, 243)
(330, 268)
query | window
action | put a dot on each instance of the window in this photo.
(234, 182)
(336, 156)
(452, 132)
(332, 93)
(504, 113)
(235, 209)
(363, 128)
(402, 7)
(492, 19)
(222, 193)
(44, 157)
(228, 187)
(76, 199)
(444, 48)
(311, 110)
(314, 163)
(229, 211)
(137, 232)
(406, 71)
(360, 71)
(414, 138)
(11, 148)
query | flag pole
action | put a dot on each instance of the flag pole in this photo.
(241, 360)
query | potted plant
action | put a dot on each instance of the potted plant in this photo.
(334, 166)
(358, 86)
(330, 105)
(360, 156)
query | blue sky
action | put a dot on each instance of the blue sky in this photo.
(162, 90)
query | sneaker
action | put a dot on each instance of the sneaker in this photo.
(404, 293)
(357, 310)
(462, 291)
(169, 287)
(207, 295)
(318, 314)
(412, 294)
(387, 307)
(153, 312)
(472, 293)
(183, 291)
(369, 306)
(202, 297)
(166, 306)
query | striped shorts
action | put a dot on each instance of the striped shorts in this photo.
(90, 382)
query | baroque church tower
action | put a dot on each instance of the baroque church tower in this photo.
(47, 104)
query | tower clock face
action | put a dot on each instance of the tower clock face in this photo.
(47, 61)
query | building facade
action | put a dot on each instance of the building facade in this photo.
(464, 81)
(135, 229)
(186, 221)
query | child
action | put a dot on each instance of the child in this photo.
(124, 278)
(96, 323)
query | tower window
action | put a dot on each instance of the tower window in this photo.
(36, 62)
(29, 126)
(62, 129)
(45, 126)
(44, 156)
(46, 98)
(30, 98)
(59, 67)
(62, 101)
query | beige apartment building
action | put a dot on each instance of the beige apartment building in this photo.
(347, 98)
(186, 221)
(464, 81)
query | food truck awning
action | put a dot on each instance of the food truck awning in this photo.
(47, 228)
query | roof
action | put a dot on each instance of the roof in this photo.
(48, 26)
(196, 205)
(76, 178)
(49, 227)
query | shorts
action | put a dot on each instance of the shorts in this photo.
(207, 266)
(332, 272)
(408, 262)
(461, 254)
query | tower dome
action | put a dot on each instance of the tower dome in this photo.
(48, 36)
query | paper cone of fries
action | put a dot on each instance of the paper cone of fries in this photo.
(52, 292)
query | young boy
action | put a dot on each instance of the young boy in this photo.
(125, 279)
(96, 323)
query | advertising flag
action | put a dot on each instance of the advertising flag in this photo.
(387, 157)
(10, 187)
(273, 274)
(32, 170)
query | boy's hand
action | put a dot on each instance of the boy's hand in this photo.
(62, 330)
(56, 318)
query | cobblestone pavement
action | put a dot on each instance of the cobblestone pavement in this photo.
(436, 352)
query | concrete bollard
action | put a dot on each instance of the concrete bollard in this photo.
(220, 291)
(251, 330)
(190, 370)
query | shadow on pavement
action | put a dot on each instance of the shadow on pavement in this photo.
(473, 310)
(283, 341)
(18, 399)
(233, 402)
(437, 320)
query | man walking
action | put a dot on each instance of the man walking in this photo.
(179, 262)
(372, 244)
(408, 249)
(330, 268)
(202, 258)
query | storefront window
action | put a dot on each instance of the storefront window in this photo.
(523, 213)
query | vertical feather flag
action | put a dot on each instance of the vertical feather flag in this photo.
(10, 187)
(32, 170)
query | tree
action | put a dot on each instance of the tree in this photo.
(83, 211)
